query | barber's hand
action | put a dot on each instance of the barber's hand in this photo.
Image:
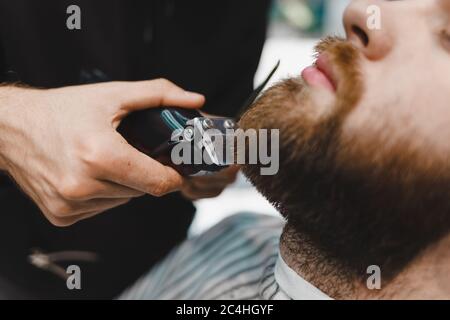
(62, 148)
(196, 188)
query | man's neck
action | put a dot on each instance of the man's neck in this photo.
(426, 277)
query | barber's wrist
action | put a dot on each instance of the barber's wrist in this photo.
(4, 102)
(11, 98)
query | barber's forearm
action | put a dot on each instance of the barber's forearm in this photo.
(12, 99)
(6, 105)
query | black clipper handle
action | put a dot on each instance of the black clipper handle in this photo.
(150, 132)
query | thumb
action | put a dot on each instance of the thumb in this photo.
(155, 93)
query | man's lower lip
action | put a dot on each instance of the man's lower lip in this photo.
(316, 78)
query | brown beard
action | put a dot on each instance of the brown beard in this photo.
(355, 205)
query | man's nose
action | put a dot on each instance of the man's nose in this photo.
(372, 37)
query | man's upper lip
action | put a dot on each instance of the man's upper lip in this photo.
(324, 65)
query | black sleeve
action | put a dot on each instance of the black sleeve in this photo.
(2, 64)
(214, 47)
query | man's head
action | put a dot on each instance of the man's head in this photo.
(364, 139)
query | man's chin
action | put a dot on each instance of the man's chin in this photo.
(322, 102)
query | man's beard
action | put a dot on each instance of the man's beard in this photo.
(357, 205)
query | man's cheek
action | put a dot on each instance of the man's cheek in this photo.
(430, 121)
(365, 128)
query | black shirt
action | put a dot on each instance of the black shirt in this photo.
(212, 47)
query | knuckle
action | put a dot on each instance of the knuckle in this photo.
(59, 222)
(72, 189)
(164, 83)
(57, 211)
(94, 155)
(159, 189)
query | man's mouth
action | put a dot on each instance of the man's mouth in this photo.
(321, 74)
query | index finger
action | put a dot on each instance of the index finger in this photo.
(154, 93)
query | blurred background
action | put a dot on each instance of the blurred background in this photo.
(295, 27)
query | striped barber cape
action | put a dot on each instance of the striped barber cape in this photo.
(238, 259)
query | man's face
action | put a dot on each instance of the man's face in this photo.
(405, 68)
(364, 137)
